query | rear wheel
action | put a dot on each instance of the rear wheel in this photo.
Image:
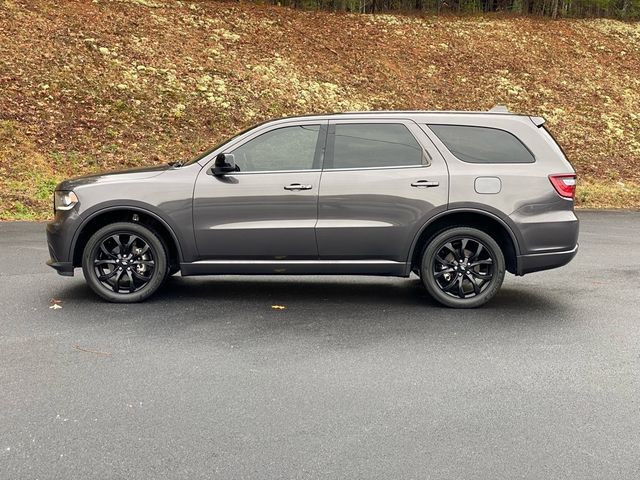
(124, 262)
(462, 267)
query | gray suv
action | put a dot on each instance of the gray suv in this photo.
(458, 198)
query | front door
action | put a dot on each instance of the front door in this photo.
(382, 181)
(268, 209)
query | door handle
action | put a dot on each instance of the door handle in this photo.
(425, 183)
(297, 186)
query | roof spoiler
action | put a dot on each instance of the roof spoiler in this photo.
(537, 121)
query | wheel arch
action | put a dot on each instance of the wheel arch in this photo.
(488, 222)
(103, 216)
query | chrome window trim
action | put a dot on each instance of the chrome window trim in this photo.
(395, 167)
(271, 172)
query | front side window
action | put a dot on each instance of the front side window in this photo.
(362, 145)
(287, 148)
(482, 144)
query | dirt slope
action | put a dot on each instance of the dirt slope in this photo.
(94, 85)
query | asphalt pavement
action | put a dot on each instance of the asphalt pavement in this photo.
(357, 378)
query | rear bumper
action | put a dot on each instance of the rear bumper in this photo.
(544, 261)
(63, 268)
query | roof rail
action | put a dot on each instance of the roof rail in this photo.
(499, 109)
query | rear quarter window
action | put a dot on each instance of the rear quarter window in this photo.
(482, 144)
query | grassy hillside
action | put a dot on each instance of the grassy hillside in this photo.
(99, 85)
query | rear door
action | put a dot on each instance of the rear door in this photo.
(382, 180)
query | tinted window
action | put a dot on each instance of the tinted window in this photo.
(287, 148)
(482, 144)
(375, 145)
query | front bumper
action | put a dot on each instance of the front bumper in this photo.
(544, 261)
(59, 238)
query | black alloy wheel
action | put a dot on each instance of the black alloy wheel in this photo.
(125, 262)
(463, 267)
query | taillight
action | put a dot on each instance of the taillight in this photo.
(565, 184)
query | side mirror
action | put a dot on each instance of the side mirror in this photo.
(225, 163)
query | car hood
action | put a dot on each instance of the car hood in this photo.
(116, 176)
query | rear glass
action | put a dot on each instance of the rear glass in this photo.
(482, 144)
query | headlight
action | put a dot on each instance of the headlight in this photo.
(64, 200)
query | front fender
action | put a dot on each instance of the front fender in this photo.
(161, 216)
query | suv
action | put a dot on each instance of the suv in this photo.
(456, 197)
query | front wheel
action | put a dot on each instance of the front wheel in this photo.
(124, 262)
(462, 267)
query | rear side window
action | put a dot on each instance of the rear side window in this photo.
(482, 144)
(360, 145)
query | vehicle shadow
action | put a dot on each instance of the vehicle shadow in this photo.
(342, 312)
(327, 292)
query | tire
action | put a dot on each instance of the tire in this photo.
(124, 262)
(462, 267)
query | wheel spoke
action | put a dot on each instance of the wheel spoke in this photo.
(453, 250)
(116, 284)
(148, 263)
(140, 277)
(132, 286)
(460, 289)
(106, 252)
(488, 261)
(476, 288)
(104, 262)
(107, 276)
(129, 245)
(116, 238)
(439, 273)
(442, 261)
(463, 246)
(143, 250)
(480, 275)
(478, 252)
(450, 285)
